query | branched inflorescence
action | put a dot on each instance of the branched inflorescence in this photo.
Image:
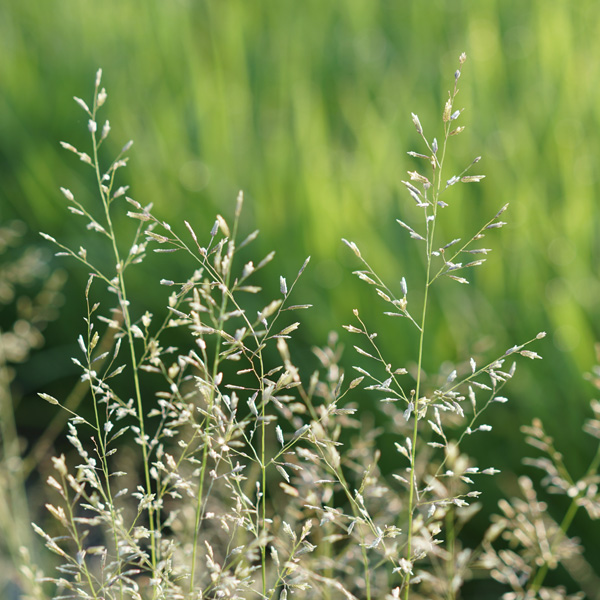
(431, 421)
(209, 466)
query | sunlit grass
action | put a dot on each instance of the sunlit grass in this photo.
(304, 106)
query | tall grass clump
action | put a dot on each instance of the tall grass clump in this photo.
(209, 466)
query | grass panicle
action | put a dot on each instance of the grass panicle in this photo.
(206, 463)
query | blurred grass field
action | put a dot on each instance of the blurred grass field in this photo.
(306, 107)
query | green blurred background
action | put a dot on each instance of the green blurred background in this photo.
(305, 105)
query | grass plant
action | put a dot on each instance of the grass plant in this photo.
(209, 465)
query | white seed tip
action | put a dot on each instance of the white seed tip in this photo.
(67, 194)
(102, 97)
(48, 398)
(81, 103)
(417, 123)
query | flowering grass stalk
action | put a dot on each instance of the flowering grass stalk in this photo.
(211, 467)
(421, 405)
